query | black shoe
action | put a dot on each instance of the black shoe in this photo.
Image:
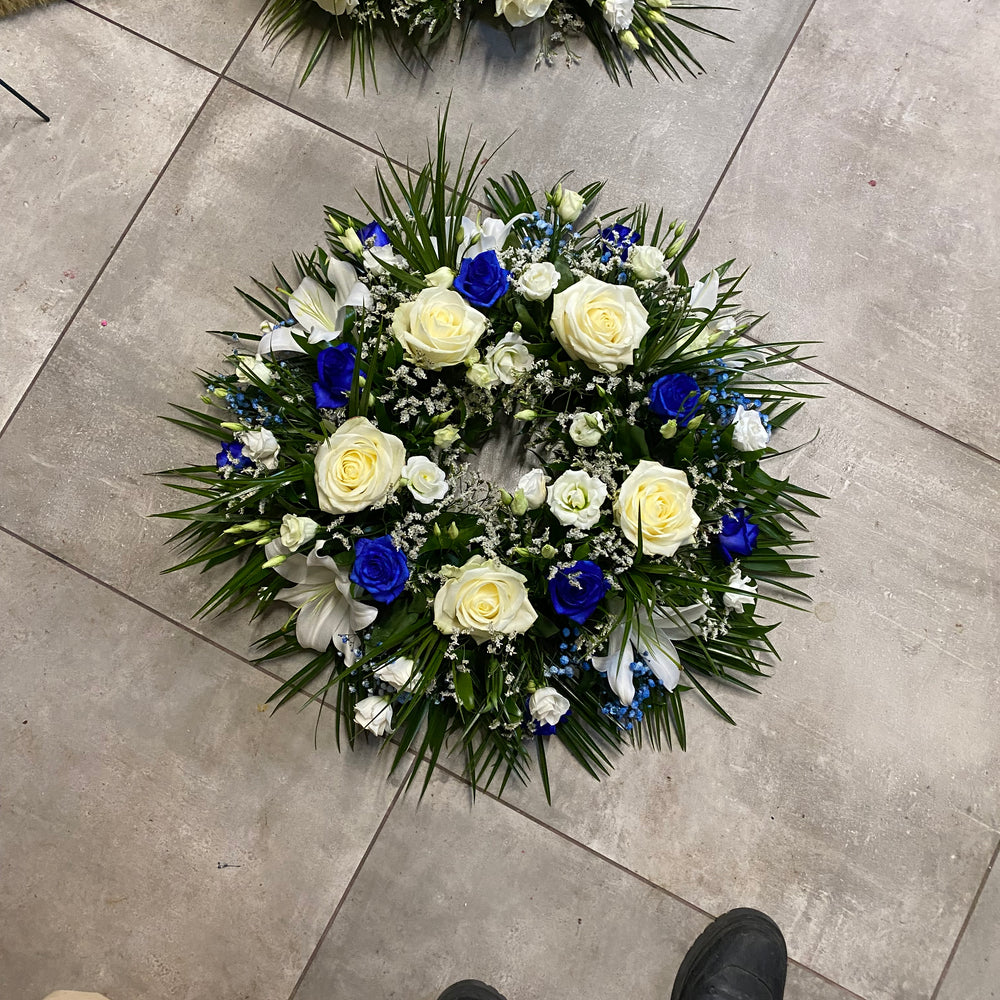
(470, 989)
(739, 956)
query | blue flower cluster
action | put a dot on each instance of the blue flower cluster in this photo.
(250, 406)
(728, 400)
(569, 656)
(628, 715)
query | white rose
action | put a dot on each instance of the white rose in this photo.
(662, 500)
(509, 358)
(534, 486)
(261, 446)
(374, 257)
(401, 673)
(647, 262)
(587, 429)
(296, 531)
(538, 281)
(482, 375)
(483, 599)
(441, 278)
(446, 435)
(576, 498)
(618, 13)
(747, 591)
(522, 12)
(425, 479)
(749, 432)
(339, 6)
(547, 706)
(247, 365)
(569, 204)
(357, 466)
(374, 714)
(598, 323)
(438, 328)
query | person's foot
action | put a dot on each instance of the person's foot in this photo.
(739, 956)
(470, 989)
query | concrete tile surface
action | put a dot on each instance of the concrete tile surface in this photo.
(69, 187)
(666, 142)
(975, 970)
(454, 891)
(865, 198)
(824, 807)
(207, 33)
(246, 189)
(136, 762)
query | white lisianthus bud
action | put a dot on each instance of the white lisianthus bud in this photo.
(518, 504)
(668, 430)
(249, 367)
(351, 242)
(446, 435)
(747, 591)
(525, 415)
(549, 552)
(482, 375)
(749, 432)
(425, 479)
(647, 262)
(441, 278)
(509, 358)
(587, 429)
(534, 486)
(401, 673)
(296, 531)
(629, 40)
(569, 204)
(261, 446)
(547, 706)
(374, 714)
(538, 281)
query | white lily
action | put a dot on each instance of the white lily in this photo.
(279, 340)
(652, 640)
(322, 593)
(318, 312)
(705, 293)
(480, 235)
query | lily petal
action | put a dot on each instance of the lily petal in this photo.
(618, 668)
(661, 655)
(280, 340)
(313, 306)
(678, 623)
(705, 294)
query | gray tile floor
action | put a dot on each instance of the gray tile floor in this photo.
(847, 150)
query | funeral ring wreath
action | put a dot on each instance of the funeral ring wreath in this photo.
(582, 600)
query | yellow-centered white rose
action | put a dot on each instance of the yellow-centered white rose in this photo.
(438, 328)
(357, 466)
(483, 599)
(598, 323)
(662, 501)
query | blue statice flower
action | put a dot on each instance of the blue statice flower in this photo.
(232, 457)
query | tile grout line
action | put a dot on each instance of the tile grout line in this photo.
(141, 604)
(625, 869)
(966, 922)
(128, 227)
(753, 116)
(350, 885)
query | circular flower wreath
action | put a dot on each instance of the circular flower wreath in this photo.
(615, 571)
(624, 32)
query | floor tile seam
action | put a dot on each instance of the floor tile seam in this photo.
(754, 113)
(107, 261)
(967, 445)
(41, 550)
(966, 922)
(656, 886)
(350, 884)
(152, 41)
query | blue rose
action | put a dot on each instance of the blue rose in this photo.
(675, 397)
(575, 591)
(619, 238)
(380, 568)
(232, 456)
(737, 535)
(334, 373)
(481, 279)
(374, 231)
